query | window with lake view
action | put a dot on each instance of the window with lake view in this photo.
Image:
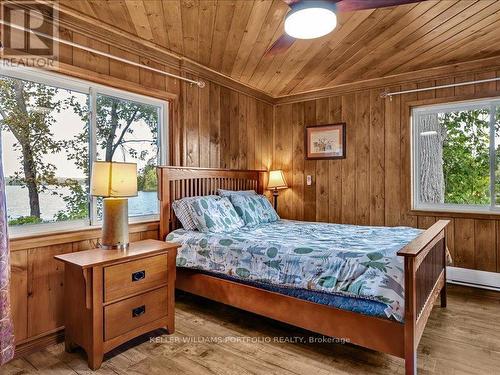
(456, 154)
(51, 132)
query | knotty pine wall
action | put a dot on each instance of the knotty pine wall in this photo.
(215, 126)
(372, 185)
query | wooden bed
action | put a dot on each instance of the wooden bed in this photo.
(424, 263)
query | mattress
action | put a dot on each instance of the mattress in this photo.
(355, 268)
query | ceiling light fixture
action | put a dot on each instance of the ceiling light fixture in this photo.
(311, 19)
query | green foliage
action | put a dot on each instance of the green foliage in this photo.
(146, 179)
(77, 203)
(466, 157)
(22, 220)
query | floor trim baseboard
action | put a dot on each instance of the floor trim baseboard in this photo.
(473, 278)
(39, 342)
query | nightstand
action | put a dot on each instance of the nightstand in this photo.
(112, 296)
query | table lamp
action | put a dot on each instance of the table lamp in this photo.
(276, 182)
(115, 182)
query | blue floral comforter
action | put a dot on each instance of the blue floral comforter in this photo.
(350, 260)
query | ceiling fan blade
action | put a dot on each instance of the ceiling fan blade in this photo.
(281, 44)
(351, 5)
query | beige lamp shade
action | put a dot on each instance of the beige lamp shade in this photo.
(277, 180)
(111, 179)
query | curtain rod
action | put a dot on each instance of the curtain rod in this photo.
(199, 83)
(389, 95)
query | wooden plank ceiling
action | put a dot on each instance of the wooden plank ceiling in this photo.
(232, 37)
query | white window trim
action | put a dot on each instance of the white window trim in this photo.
(92, 89)
(451, 207)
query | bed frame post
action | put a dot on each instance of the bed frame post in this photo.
(443, 291)
(164, 199)
(425, 281)
(410, 317)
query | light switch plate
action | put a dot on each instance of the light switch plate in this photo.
(309, 180)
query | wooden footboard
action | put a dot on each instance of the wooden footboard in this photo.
(425, 280)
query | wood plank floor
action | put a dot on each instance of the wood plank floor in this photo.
(215, 339)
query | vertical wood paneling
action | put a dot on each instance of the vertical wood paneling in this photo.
(267, 137)
(225, 127)
(322, 173)
(362, 151)
(87, 60)
(298, 161)
(485, 257)
(234, 131)
(204, 126)
(215, 121)
(242, 131)
(464, 243)
(45, 288)
(392, 160)
(425, 222)
(349, 163)
(251, 131)
(310, 167)
(191, 124)
(19, 293)
(377, 159)
(282, 156)
(335, 167)
(405, 154)
(286, 196)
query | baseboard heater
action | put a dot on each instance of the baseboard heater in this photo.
(473, 278)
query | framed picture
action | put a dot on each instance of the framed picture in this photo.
(325, 141)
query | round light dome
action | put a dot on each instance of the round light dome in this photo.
(310, 23)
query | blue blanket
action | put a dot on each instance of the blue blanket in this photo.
(343, 260)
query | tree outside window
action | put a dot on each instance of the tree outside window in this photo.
(456, 154)
(47, 137)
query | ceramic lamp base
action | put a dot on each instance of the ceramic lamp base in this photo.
(115, 224)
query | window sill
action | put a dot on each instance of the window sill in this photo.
(30, 238)
(485, 215)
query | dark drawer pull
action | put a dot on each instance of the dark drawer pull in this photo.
(138, 311)
(139, 275)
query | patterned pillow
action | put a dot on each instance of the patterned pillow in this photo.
(212, 214)
(254, 209)
(228, 193)
(181, 209)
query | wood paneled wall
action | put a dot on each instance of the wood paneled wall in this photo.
(226, 129)
(215, 126)
(372, 185)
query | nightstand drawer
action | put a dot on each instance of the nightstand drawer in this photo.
(124, 316)
(125, 279)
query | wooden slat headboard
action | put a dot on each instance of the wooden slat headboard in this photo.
(180, 182)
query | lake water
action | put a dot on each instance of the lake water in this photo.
(146, 203)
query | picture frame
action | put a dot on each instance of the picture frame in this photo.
(325, 142)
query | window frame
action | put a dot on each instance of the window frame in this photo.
(491, 103)
(91, 89)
